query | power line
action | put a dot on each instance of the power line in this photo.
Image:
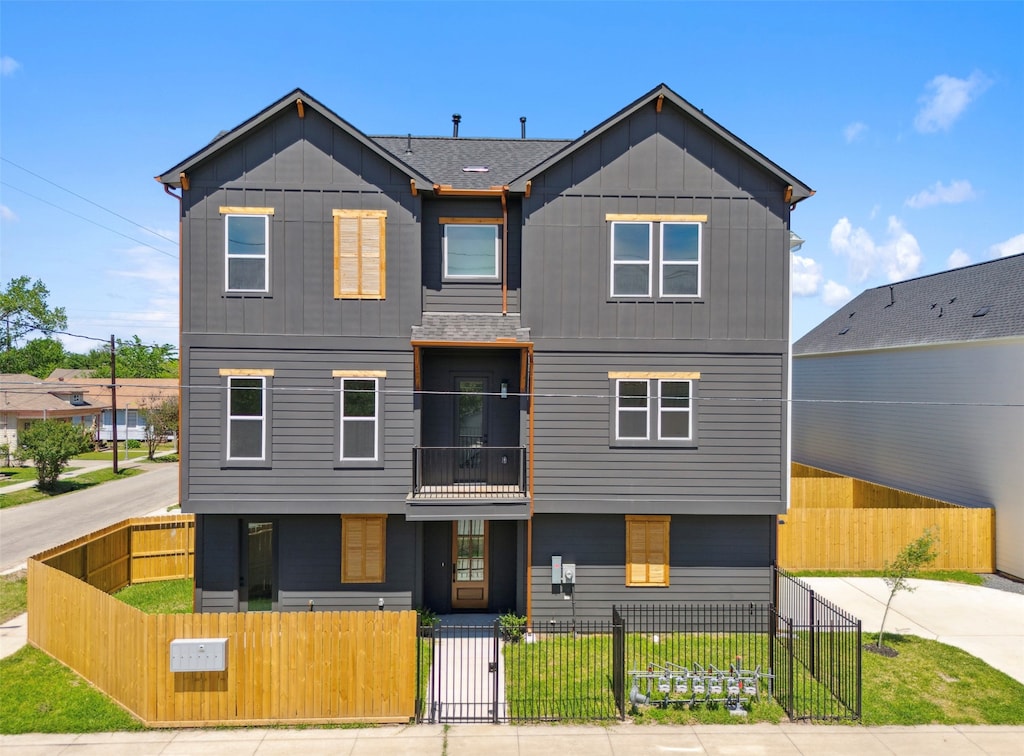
(86, 199)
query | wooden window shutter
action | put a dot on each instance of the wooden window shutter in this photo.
(363, 548)
(647, 550)
(359, 260)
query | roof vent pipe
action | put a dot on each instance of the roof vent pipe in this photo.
(522, 127)
(455, 125)
(408, 144)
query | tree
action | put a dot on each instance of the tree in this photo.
(914, 557)
(138, 360)
(23, 309)
(39, 357)
(161, 416)
(51, 444)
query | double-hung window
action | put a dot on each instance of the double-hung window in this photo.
(359, 254)
(472, 250)
(653, 409)
(247, 248)
(656, 256)
(359, 417)
(248, 416)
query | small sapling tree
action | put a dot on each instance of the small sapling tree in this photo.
(914, 557)
(51, 444)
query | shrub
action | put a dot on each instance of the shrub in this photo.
(512, 626)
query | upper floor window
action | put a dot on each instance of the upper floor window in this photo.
(472, 252)
(653, 409)
(359, 254)
(360, 417)
(246, 248)
(248, 417)
(656, 255)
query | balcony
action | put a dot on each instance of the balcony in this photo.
(469, 472)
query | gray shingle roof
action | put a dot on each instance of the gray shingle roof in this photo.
(442, 159)
(469, 326)
(939, 308)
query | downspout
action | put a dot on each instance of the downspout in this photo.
(504, 250)
(529, 522)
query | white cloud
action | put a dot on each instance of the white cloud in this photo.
(8, 66)
(6, 214)
(898, 258)
(1012, 246)
(855, 131)
(958, 259)
(945, 98)
(940, 194)
(806, 276)
(835, 294)
(875, 210)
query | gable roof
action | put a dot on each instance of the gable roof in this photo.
(132, 393)
(800, 190)
(28, 396)
(172, 176)
(982, 301)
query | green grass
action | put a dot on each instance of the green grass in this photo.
(14, 475)
(39, 694)
(78, 483)
(159, 597)
(932, 683)
(13, 595)
(948, 576)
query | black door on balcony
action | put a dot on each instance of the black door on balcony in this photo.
(471, 415)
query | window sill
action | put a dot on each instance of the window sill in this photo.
(242, 464)
(360, 464)
(643, 443)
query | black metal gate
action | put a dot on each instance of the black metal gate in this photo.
(465, 679)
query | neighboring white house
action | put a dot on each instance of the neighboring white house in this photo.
(133, 395)
(919, 385)
(25, 399)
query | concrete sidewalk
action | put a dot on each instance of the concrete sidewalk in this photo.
(984, 622)
(565, 740)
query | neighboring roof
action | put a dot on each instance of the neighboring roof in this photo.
(983, 301)
(476, 327)
(800, 190)
(443, 159)
(61, 374)
(131, 392)
(27, 395)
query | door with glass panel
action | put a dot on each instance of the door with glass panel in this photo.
(256, 581)
(469, 564)
(470, 428)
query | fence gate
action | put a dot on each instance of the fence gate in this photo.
(466, 678)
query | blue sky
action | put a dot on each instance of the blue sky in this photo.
(906, 118)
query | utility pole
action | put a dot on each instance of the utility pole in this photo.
(113, 399)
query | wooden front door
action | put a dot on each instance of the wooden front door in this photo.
(469, 564)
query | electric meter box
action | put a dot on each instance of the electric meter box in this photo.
(199, 655)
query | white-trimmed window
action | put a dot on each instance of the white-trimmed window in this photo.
(360, 414)
(246, 248)
(653, 409)
(472, 252)
(247, 415)
(359, 254)
(656, 256)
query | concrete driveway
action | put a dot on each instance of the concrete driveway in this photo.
(984, 622)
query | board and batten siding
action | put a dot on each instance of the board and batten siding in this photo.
(739, 463)
(712, 559)
(301, 476)
(303, 169)
(656, 164)
(945, 421)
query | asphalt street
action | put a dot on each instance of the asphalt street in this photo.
(30, 528)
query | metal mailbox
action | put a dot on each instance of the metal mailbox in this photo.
(199, 655)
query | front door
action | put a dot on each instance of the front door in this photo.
(470, 428)
(469, 564)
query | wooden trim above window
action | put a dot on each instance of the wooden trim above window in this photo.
(347, 213)
(247, 371)
(359, 373)
(657, 217)
(689, 376)
(446, 221)
(363, 548)
(232, 210)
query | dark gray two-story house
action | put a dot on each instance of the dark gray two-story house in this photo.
(483, 374)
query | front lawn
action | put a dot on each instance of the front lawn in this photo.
(78, 483)
(948, 576)
(159, 597)
(11, 475)
(13, 595)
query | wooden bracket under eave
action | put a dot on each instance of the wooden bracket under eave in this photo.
(529, 188)
(660, 102)
(412, 186)
(184, 180)
(300, 107)
(789, 194)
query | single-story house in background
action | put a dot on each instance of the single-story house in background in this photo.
(133, 394)
(917, 385)
(25, 399)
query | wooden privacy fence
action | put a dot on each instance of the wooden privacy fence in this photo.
(290, 667)
(842, 523)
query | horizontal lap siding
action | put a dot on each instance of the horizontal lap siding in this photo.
(712, 560)
(304, 421)
(739, 422)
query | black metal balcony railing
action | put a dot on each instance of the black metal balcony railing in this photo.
(468, 471)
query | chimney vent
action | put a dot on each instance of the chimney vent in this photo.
(522, 127)
(455, 124)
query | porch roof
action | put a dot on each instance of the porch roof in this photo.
(475, 327)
